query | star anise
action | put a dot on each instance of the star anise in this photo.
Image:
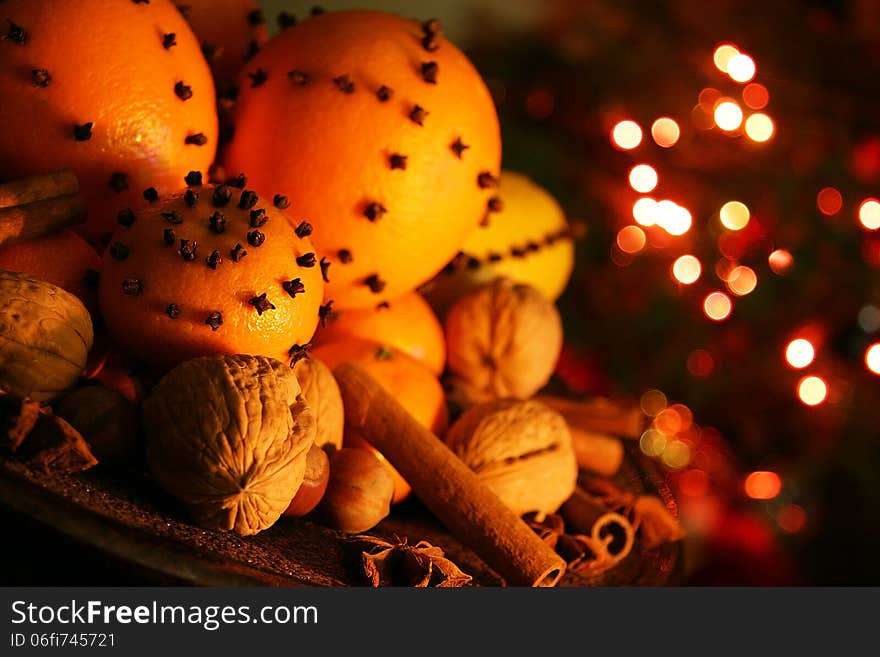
(396, 563)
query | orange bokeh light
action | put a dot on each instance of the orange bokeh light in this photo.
(799, 353)
(668, 421)
(742, 280)
(812, 390)
(717, 306)
(631, 239)
(652, 402)
(700, 363)
(643, 178)
(755, 96)
(686, 269)
(734, 215)
(760, 127)
(626, 135)
(693, 483)
(829, 201)
(741, 67)
(791, 518)
(665, 132)
(644, 211)
(728, 115)
(869, 213)
(723, 54)
(780, 261)
(763, 485)
(872, 358)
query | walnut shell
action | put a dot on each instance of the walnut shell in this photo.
(322, 394)
(521, 449)
(503, 340)
(228, 436)
(45, 337)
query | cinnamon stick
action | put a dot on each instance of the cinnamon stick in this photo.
(468, 508)
(38, 188)
(600, 415)
(596, 452)
(26, 222)
(585, 514)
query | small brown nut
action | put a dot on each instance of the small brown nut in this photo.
(503, 340)
(106, 419)
(228, 436)
(521, 449)
(322, 394)
(314, 483)
(45, 337)
(359, 494)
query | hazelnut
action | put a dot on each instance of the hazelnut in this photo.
(359, 494)
(106, 419)
(314, 483)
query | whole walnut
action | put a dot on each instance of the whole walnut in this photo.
(228, 436)
(45, 337)
(521, 449)
(503, 340)
(107, 420)
(321, 391)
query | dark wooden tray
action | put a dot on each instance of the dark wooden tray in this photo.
(122, 518)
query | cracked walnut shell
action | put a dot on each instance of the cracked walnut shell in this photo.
(521, 449)
(228, 436)
(503, 340)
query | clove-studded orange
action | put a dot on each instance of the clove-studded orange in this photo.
(213, 270)
(117, 90)
(384, 136)
(230, 32)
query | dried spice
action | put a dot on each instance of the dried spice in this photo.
(169, 40)
(306, 260)
(168, 236)
(125, 217)
(83, 132)
(430, 42)
(16, 34)
(191, 198)
(173, 311)
(297, 352)
(118, 182)
(182, 91)
(255, 18)
(215, 320)
(298, 78)
(286, 20)
(459, 147)
(240, 181)
(188, 249)
(258, 77)
(396, 563)
(217, 222)
(256, 238)
(237, 253)
(344, 84)
(173, 217)
(248, 199)
(486, 180)
(325, 312)
(375, 283)
(258, 218)
(193, 178)
(316, 11)
(261, 303)
(118, 251)
(281, 202)
(151, 195)
(213, 261)
(384, 93)
(397, 161)
(132, 287)
(374, 211)
(252, 49)
(294, 287)
(495, 204)
(432, 26)
(429, 72)
(345, 256)
(40, 77)
(198, 139)
(418, 114)
(209, 50)
(325, 266)
(304, 229)
(221, 196)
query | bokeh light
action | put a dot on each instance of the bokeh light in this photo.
(723, 54)
(755, 96)
(626, 135)
(829, 201)
(869, 213)
(643, 178)
(700, 363)
(652, 442)
(869, 318)
(717, 306)
(734, 215)
(665, 132)
(760, 127)
(762, 485)
(741, 67)
(693, 483)
(812, 390)
(652, 402)
(676, 455)
(668, 421)
(645, 211)
(742, 280)
(686, 269)
(673, 218)
(631, 239)
(791, 518)
(728, 115)
(799, 353)
(872, 358)
(780, 261)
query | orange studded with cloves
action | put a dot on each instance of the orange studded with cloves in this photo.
(382, 133)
